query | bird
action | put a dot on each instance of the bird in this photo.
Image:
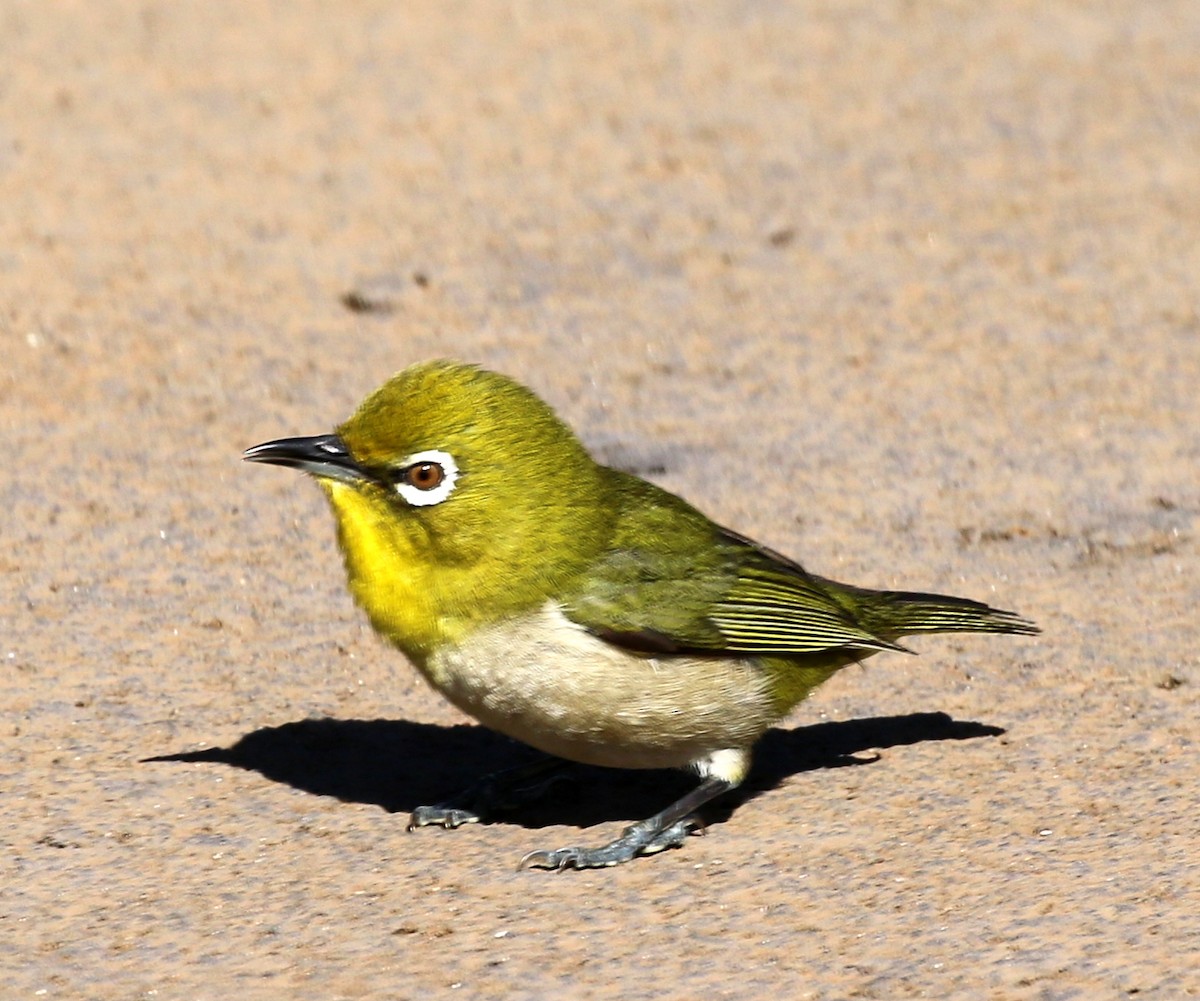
(577, 608)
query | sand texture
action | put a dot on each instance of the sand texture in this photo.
(906, 291)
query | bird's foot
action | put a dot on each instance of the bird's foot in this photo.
(644, 838)
(446, 815)
(496, 793)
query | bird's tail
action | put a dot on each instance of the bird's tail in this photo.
(892, 614)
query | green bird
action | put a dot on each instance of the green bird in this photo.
(578, 608)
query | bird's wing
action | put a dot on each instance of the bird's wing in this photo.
(674, 582)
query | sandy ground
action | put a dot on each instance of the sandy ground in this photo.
(908, 291)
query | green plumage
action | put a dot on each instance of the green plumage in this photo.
(670, 580)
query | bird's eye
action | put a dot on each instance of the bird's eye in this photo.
(425, 475)
(426, 478)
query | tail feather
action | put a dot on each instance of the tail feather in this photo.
(892, 614)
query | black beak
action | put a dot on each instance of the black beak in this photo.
(321, 455)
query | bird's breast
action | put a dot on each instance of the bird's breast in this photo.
(546, 681)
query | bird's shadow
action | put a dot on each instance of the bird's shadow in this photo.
(399, 764)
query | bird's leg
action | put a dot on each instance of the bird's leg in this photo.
(494, 793)
(654, 834)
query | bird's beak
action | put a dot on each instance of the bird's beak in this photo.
(323, 455)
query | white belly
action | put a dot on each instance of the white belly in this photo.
(549, 683)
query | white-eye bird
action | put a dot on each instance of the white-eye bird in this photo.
(578, 608)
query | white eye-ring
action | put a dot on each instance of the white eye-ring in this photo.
(426, 478)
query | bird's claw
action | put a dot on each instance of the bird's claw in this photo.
(442, 815)
(635, 841)
(495, 793)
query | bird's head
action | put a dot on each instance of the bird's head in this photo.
(456, 480)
